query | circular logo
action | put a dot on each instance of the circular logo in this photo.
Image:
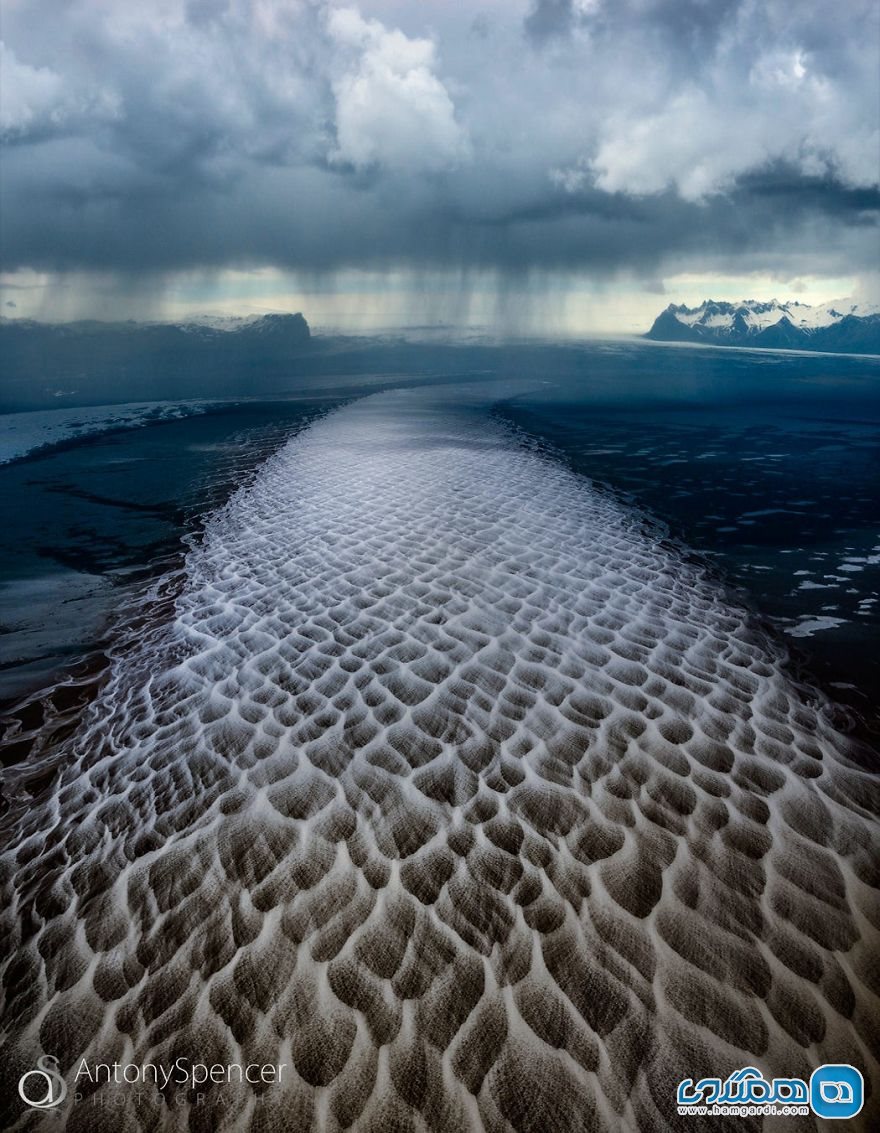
(43, 1088)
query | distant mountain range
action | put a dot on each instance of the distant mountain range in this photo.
(224, 333)
(89, 362)
(842, 327)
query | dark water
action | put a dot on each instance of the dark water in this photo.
(771, 474)
(766, 464)
(87, 526)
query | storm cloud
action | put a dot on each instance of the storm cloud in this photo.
(629, 137)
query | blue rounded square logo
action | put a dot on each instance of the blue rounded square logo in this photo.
(837, 1091)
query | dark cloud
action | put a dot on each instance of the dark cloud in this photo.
(218, 133)
(549, 19)
(305, 220)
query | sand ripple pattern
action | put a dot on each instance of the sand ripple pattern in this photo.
(452, 787)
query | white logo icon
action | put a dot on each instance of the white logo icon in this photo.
(50, 1080)
(836, 1093)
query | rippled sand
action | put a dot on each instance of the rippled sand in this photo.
(452, 787)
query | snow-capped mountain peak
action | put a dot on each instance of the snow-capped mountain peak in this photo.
(759, 315)
(839, 325)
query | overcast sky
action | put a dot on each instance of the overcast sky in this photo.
(436, 160)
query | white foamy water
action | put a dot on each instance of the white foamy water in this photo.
(454, 789)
